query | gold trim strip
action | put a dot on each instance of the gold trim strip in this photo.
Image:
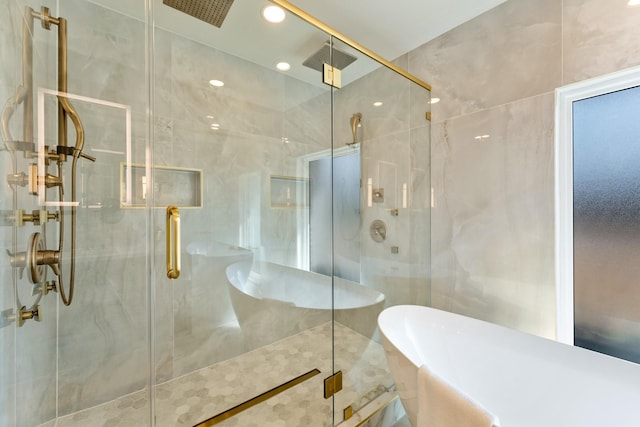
(258, 399)
(327, 29)
(377, 411)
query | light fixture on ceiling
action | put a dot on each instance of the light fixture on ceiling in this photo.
(633, 3)
(273, 14)
(377, 104)
(482, 137)
(216, 83)
(283, 66)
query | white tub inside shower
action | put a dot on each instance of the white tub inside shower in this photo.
(273, 301)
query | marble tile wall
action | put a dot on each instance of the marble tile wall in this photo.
(598, 37)
(492, 242)
(395, 157)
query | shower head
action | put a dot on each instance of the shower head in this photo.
(210, 11)
(325, 55)
(355, 124)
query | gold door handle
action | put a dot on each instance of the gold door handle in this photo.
(173, 242)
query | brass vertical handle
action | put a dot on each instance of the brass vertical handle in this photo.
(173, 242)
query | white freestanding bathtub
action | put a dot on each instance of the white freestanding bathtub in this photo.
(274, 301)
(525, 380)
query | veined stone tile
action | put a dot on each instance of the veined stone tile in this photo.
(599, 37)
(510, 52)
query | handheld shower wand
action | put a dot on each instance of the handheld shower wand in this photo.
(355, 125)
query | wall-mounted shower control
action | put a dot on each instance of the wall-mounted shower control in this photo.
(21, 179)
(35, 260)
(38, 217)
(37, 159)
(24, 314)
(378, 231)
(38, 258)
(47, 287)
(378, 195)
(36, 180)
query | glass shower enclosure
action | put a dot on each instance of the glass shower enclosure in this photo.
(156, 215)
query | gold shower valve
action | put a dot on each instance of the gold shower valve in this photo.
(49, 286)
(34, 179)
(38, 217)
(20, 179)
(24, 314)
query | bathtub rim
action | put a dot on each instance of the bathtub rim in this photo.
(592, 387)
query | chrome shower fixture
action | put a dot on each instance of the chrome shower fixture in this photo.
(36, 258)
(212, 12)
(356, 128)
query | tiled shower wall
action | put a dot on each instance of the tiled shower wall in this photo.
(493, 218)
(395, 158)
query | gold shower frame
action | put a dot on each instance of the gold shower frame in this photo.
(352, 43)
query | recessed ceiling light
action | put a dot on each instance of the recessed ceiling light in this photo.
(434, 100)
(210, 117)
(633, 3)
(273, 14)
(216, 83)
(377, 103)
(283, 66)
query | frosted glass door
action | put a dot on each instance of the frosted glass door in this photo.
(607, 223)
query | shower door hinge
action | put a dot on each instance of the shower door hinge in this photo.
(347, 413)
(428, 116)
(332, 76)
(332, 384)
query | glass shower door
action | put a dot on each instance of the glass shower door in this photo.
(195, 296)
(381, 117)
(243, 334)
(73, 330)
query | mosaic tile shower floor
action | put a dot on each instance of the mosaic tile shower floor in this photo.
(198, 396)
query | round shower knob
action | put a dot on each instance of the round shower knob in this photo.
(37, 273)
(378, 231)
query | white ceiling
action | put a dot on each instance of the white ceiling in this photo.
(388, 31)
(392, 28)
